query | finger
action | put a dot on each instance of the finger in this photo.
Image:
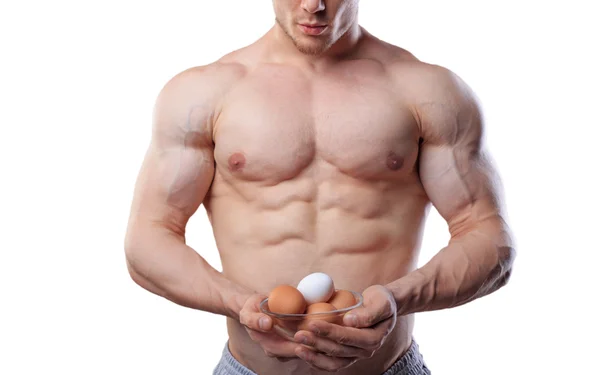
(330, 347)
(385, 327)
(284, 359)
(322, 361)
(368, 339)
(251, 317)
(274, 346)
(378, 309)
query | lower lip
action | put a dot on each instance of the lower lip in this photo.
(313, 30)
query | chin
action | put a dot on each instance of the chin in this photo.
(312, 50)
(311, 46)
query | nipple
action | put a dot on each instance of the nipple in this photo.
(236, 162)
(394, 162)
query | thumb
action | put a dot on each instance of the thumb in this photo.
(368, 315)
(251, 317)
(359, 318)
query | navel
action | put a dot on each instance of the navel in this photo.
(394, 162)
(236, 162)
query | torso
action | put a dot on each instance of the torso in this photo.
(317, 171)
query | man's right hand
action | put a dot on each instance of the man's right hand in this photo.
(260, 329)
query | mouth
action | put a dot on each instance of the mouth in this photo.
(312, 29)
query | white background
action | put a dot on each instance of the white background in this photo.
(78, 82)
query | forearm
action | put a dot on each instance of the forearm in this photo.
(163, 264)
(473, 265)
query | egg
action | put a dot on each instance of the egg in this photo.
(316, 287)
(342, 299)
(319, 307)
(286, 299)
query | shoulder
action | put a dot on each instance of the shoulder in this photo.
(438, 86)
(440, 100)
(191, 99)
(427, 81)
(444, 105)
(202, 84)
(422, 80)
(437, 83)
(448, 109)
(210, 82)
(201, 81)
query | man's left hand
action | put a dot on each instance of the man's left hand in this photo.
(363, 333)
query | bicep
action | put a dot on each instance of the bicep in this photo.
(461, 183)
(172, 184)
(455, 169)
(178, 167)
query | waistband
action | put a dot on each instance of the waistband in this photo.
(410, 363)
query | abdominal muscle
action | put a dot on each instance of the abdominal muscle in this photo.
(359, 234)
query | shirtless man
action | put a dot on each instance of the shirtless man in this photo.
(319, 148)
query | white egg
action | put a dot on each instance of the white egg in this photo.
(316, 287)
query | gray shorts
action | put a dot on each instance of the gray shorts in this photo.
(411, 363)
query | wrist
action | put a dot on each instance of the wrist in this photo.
(235, 303)
(233, 298)
(407, 293)
(226, 297)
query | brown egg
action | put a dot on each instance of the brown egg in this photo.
(342, 299)
(319, 307)
(286, 299)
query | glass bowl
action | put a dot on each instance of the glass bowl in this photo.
(287, 325)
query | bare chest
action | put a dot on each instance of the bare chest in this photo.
(275, 127)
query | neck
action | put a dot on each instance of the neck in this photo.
(282, 48)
